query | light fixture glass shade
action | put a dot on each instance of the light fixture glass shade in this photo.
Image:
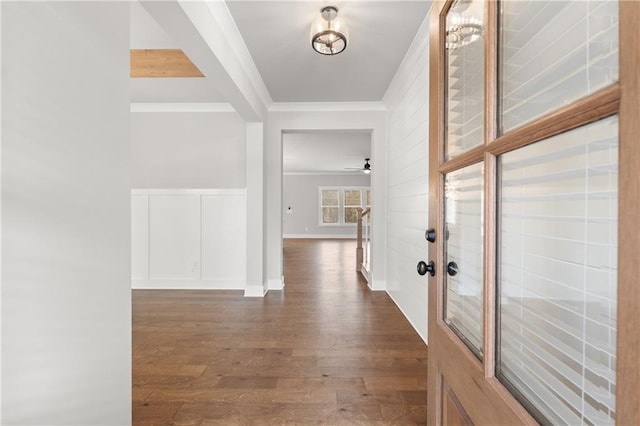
(464, 23)
(329, 33)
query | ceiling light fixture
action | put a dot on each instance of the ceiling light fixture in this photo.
(463, 27)
(329, 33)
(462, 34)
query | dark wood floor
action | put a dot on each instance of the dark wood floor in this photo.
(325, 350)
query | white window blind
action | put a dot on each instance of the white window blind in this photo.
(555, 52)
(557, 274)
(465, 82)
(463, 216)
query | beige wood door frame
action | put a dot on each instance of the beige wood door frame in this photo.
(453, 369)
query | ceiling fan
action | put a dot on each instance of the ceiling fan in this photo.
(364, 169)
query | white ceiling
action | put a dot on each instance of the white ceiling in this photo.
(277, 34)
(325, 152)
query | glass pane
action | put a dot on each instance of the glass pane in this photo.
(554, 53)
(464, 218)
(352, 198)
(330, 197)
(351, 214)
(330, 215)
(465, 77)
(368, 198)
(557, 274)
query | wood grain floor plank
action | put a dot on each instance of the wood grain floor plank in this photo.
(233, 382)
(320, 382)
(324, 351)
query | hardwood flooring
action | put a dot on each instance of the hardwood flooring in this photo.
(326, 350)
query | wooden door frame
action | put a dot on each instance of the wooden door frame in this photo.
(622, 98)
(628, 367)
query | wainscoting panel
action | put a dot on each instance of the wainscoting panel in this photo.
(188, 239)
(174, 237)
(139, 237)
(224, 233)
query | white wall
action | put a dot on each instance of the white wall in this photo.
(188, 150)
(189, 206)
(188, 239)
(300, 192)
(407, 101)
(0, 216)
(66, 304)
(314, 117)
(257, 285)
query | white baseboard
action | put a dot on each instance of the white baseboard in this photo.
(377, 285)
(365, 274)
(421, 333)
(188, 284)
(322, 236)
(255, 291)
(277, 284)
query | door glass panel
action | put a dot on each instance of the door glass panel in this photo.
(553, 53)
(464, 269)
(557, 274)
(465, 77)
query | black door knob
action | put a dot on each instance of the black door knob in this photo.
(424, 267)
(430, 235)
(452, 268)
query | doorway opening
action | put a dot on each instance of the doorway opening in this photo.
(327, 193)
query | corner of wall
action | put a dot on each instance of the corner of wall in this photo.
(377, 285)
(422, 333)
(255, 291)
(275, 284)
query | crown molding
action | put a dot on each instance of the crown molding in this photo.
(188, 191)
(353, 173)
(181, 107)
(326, 106)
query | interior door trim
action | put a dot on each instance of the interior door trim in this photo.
(628, 367)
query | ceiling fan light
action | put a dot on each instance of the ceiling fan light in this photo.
(366, 169)
(329, 33)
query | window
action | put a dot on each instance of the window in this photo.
(339, 205)
(352, 202)
(330, 204)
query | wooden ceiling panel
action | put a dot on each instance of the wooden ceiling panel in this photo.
(162, 63)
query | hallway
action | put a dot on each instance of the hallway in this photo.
(326, 350)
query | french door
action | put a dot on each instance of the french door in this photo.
(534, 286)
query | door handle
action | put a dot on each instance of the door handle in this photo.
(430, 235)
(424, 267)
(452, 268)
